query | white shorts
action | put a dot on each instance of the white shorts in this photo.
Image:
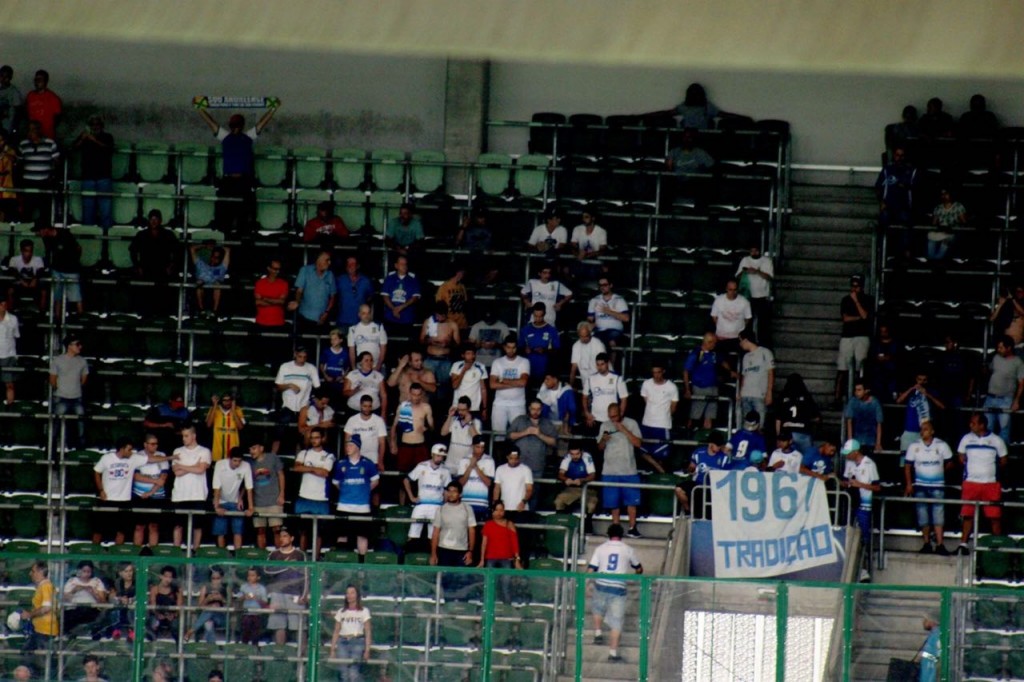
(853, 351)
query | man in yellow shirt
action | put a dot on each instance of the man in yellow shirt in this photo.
(225, 419)
(43, 614)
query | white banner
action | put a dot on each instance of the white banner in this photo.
(767, 524)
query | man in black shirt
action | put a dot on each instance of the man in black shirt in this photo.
(97, 149)
(155, 253)
(64, 256)
(855, 310)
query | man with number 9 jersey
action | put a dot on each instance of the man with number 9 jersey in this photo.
(608, 600)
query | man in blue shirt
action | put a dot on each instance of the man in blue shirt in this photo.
(700, 382)
(355, 477)
(558, 401)
(920, 403)
(864, 417)
(704, 459)
(819, 461)
(931, 652)
(314, 294)
(354, 289)
(747, 446)
(400, 292)
(539, 340)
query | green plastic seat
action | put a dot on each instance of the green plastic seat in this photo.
(271, 166)
(983, 663)
(425, 170)
(350, 206)
(193, 162)
(995, 564)
(118, 247)
(661, 501)
(306, 201)
(348, 168)
(413, 626)
(384, 205)
(159, 196)
(310, 167)
(200, 205)
(151, 161)
(554, 540)
(121, 161)
(493, 172)
(125, 206)
(73, 190)
(272, 208)
(531, 175)
(90, 238)
(527, 666)
(991, 614)
(387, 169)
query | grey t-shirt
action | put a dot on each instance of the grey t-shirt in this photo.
(69, 372)
(754, 367)
(619, 457)
(533, 451)
(454, 520)
(265, 484)
(1006, 372)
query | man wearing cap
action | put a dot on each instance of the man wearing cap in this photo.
(513, 485)
(550, 237)
(268, 492)
(983, 456)
(225, 420)
(608, 597)
(747, 444)
(661, 398)
(230, 477)
(786, 457)
(453, 539)
(861, 474)
(68, 374)
(355, 477)
(927, 461)
(475, 475)
(431, 477)
(552, 293)
(315, 464)
(711, 456)
(855, 310)
(295, 380)
(700, 382)
(239, 169)
(576, 469)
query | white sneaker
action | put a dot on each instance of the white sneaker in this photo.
(865, 576)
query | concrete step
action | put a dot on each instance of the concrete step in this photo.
(810, 296)
(808, 230)
(785, 327)
(911, 568)
(861, 209)
(829, 253)
(808, 357)
(855, 225)
(845, 264)
(630, 636)
(807, 311)
(792, 280)
(851, 193)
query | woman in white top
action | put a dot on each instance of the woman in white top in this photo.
(352, 631)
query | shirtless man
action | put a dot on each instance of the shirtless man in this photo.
(410, 370)
(408, 431)
(439, 335)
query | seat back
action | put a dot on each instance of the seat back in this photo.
(310, 167)
(426, 176)
(348, 168)
(387, 169)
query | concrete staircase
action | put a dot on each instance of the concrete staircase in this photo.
(596, 666)
(828, 239)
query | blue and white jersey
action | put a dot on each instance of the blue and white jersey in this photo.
(578, 469)
(929, 462)
(865, 472)
(476, 493)
(704, 461)
(918, 410)
(406, 423)
(981, 455)
(744, 447)
(470, 386)
(615, 557)
(549, 293)
(431, 482)
(817, 462)
(604, 389)
(354, 482)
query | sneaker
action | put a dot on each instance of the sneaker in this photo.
(615, 658)
(865, 576)
(941, 550)
(926, 549)
(633, 532)
(598, 639)
(962, 550)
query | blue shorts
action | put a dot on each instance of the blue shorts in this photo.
(930, 514)
(304, 506)
(614, 497)
(221, 523)
(659, 451)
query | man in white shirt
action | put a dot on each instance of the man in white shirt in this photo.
(983, 455)
(549, 237)
(113, 474)
(295, 381)
(368, 336)
(509, 376)
(731, 313)
(927, 461)
(365, 382)
(601, 390)
(608, 600)
(588, 239)
(230, 477)
(431, 478)
(661, 398)
(315, 464)
(372, 432)
(552, 293)
(513, 485)
(190, 491)
(584, 353)
(468, 380)
(9, 335)
(609, 314)
(759, 271)
(757, 376)
(785, 458)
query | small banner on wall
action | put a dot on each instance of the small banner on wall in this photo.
(214, 102)
(768, 524)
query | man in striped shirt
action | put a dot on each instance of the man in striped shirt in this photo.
(982, 454)
(38, 157)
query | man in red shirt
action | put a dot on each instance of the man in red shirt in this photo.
(325, 227)
(44, 105)
(271, 295)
